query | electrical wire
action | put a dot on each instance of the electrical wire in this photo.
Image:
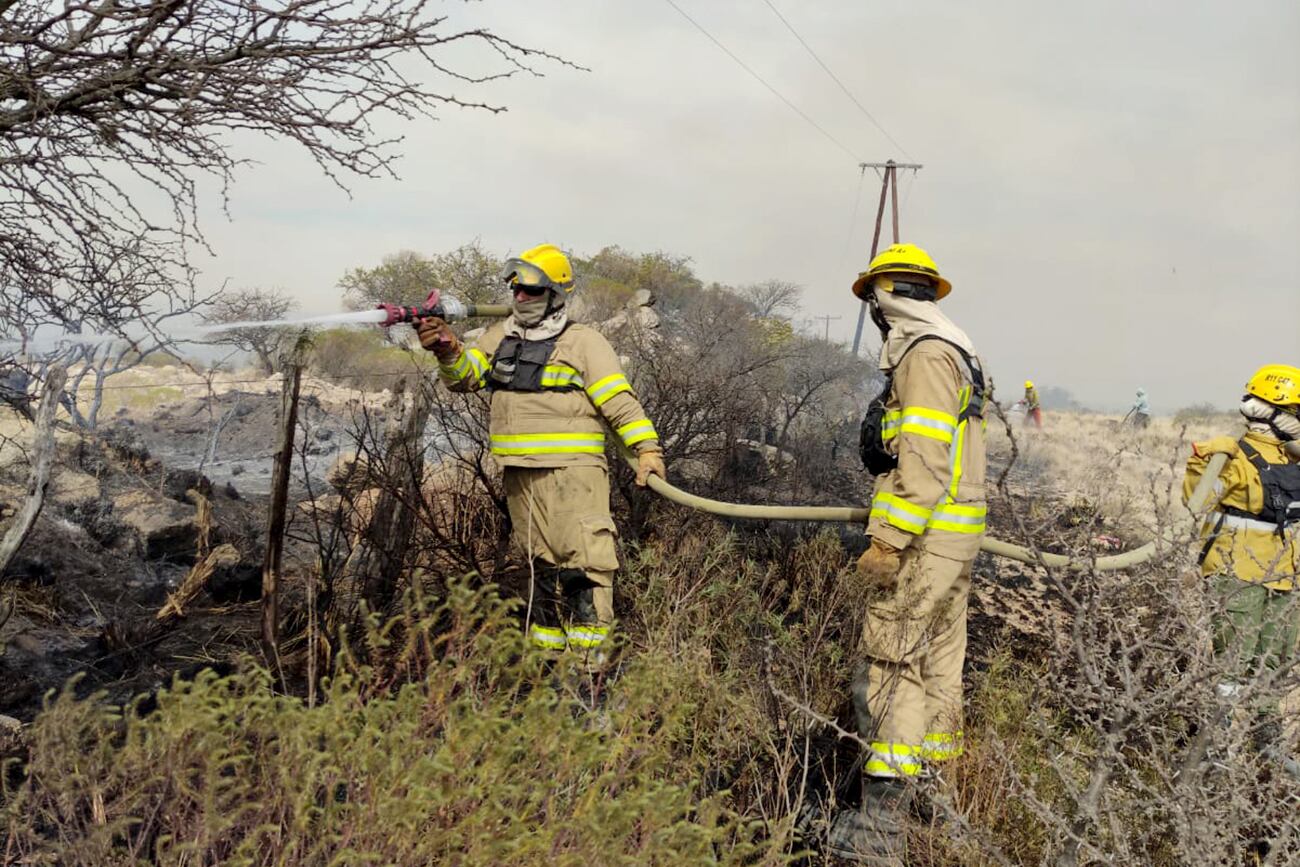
(907, 196)
(743, 65)
(853, 218)
(862, 108)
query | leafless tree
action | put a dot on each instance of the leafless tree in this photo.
(252, 305)
(772, 298)
(818, 374)
(112, 113)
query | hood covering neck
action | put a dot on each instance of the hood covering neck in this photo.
(537, 318)
(1263, 417)
(909, 319)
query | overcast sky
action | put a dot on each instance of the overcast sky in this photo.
(1113, 188)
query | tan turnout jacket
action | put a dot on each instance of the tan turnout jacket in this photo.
(938, 488)
(583, 386)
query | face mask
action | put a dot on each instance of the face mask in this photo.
(530, 312)
(877, 315)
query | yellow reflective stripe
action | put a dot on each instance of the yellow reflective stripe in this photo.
(930, 414)
(959, 519)
(890, 422)
(893, 760)
(603, 389)
(637, 431)
(560, 376)
(546, 637)
(587, 635)
(900, 513)
(923, 421)
(457, 369)
(548, 443)
(958, 448)
(941, 746)
(926, 428)
(479, 361)
(916, 520)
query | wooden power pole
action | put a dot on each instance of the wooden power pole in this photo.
(888, 189)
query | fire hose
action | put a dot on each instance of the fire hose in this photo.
(452, 309)
(997, 547)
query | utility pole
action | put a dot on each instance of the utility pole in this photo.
(889, 183)
(827, 320)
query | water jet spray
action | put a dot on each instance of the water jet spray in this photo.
(384, 315)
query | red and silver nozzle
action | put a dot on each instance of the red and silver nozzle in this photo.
(398, 313)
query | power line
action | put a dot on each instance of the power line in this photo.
(836, 79)
(853, 217)
(763, 81)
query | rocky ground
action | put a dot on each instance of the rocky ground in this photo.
(119, 532)
(122, 528)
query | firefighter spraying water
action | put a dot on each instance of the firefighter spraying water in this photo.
(386, 315)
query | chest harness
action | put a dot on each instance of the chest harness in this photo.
(1281, 490)
(519, 365)
(1281, 483)
(871, 440)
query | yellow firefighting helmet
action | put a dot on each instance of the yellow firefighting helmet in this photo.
(902, 259)
(1279, 384)
(543, 265)
(1029, 384)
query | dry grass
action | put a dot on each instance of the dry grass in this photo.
(1128, 475)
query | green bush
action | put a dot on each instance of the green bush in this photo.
(362, 358)
(486, 757)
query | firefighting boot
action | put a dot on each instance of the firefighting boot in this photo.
(936, 798)
(875, 834)
(585, 632)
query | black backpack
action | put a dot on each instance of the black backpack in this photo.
(871, 441)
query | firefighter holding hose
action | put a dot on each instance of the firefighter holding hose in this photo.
(923, 438)
(1250, 540)
(555, 386)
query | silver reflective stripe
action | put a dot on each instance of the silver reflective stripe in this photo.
(958, 517)
(933, 423)
(1238, 523)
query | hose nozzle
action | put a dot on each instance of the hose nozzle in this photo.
(435, 305)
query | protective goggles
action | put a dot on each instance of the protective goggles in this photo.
(914, 289)
(526, 276)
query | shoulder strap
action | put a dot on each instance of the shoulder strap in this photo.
(972, 364)
(1211, 539)
(1254, 456)
(978, 395)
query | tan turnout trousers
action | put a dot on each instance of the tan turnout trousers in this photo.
(908, 695)
(562, 526)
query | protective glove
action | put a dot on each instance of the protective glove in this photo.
(437, 337)
(879, 564)
(647, 462)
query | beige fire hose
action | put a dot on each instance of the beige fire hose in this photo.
(852, 515)
(494, 310)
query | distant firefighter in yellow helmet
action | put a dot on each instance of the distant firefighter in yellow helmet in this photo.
(923, 439)
(555, 386)
(1033, 409)
(1249, 548)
